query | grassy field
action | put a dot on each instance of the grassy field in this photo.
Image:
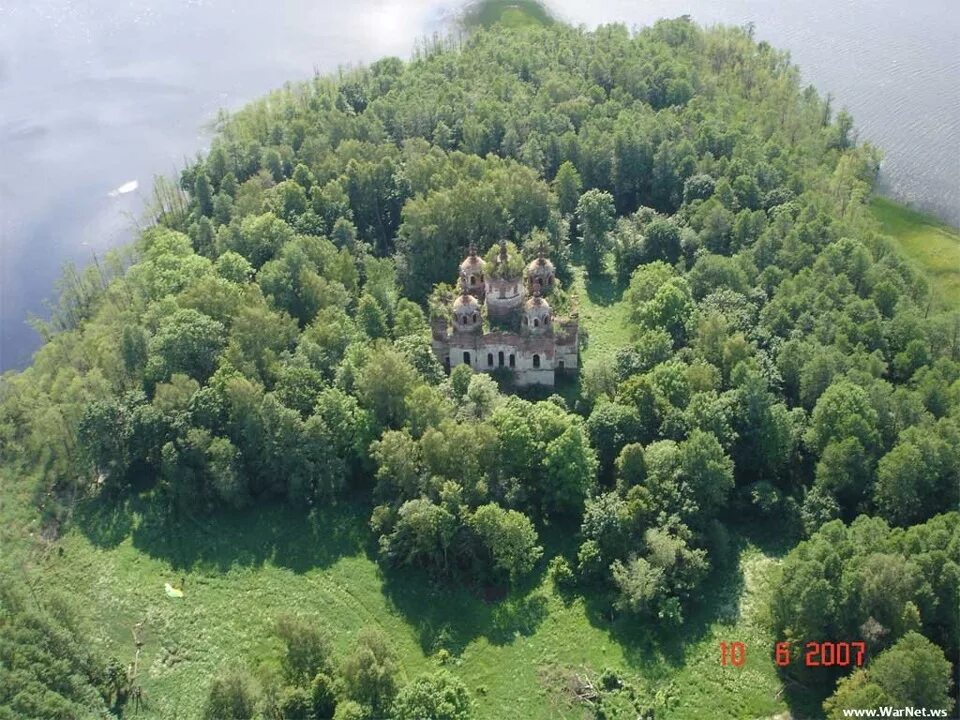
(240, 571)
(929, 244)
(603, 314)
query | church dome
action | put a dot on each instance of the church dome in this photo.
(537, 314)
(466, 311)
(540, 272)
(472, 269)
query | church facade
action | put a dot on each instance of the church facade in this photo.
(502, 320)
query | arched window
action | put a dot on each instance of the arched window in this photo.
(546, 319)
(473, 279)
(536, 323)
(536, 361)
(489, 359)
(539, 282)
(524, 320)
(513, 360)
(499, 358)
(466, 358)
(476, 316)
(550, 279)
(481, 277)
(560, 365)
(463, 319)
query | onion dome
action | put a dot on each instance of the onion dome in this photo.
(537, 314)
(540, 272)
(466, 310)
(472, 268)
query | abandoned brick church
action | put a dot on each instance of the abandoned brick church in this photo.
(502, 318)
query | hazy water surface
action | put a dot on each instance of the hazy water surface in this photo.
(96, 97)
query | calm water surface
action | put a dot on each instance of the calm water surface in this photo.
(97, 97)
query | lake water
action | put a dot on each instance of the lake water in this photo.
(97, 97)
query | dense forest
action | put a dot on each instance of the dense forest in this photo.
(267, 340)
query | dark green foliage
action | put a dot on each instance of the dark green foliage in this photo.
(912, 673)
(232, 694)
(323, 700)
(49, 668)
(868, 581)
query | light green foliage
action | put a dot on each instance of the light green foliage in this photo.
(567, 185)
(843, 411)
(595, 217)
(439, 696)
(260, 237)
(169, 264)
(306, 648)
(369, 672)
(933, 246)
(186, 342)
(233, 267)
(508, 537)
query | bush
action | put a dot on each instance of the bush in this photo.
(561, 573)
(232, 695)
(439, 696)
(307, 648)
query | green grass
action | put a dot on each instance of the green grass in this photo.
(243, 569)
(509, 13)
(931, 245)
(603, 314)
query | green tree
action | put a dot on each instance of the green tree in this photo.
(662, 241)
(595, 217)
(307, 648)
(369, 671)
(508, 538)
(707, 470)
(912, 673)
(385, 382)
(187, 342)
(203, 193)
(232, 694)
(567, 185)
(372, 318)
(571, 465)
(611, 426)
(439, 696)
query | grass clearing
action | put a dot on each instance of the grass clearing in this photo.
(603, 314)
(930, 244)
(240, 570)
